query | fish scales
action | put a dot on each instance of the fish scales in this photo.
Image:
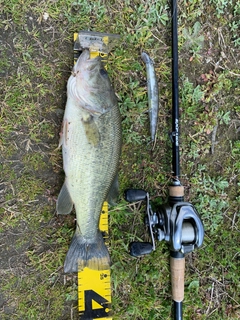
(91, 146)
(91, 167)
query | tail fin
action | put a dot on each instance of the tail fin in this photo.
(82, 254)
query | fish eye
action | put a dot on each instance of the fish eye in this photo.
(103, 73)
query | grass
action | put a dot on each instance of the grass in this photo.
(36, 48)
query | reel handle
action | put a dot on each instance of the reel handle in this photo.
(138, 249)
(134, 195)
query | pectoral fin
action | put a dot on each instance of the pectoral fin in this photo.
(64, 201)
(91, 129)
(63, 133)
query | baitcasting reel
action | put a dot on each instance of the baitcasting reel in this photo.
(176, 222)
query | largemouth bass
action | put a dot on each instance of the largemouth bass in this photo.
(91, 145)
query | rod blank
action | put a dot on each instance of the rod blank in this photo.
(175, 94)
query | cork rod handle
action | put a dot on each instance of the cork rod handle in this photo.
(177, 266)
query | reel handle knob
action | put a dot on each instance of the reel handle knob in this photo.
(133, 195)
(138, 249)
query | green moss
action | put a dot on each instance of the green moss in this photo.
(29, 188)
(34, 161)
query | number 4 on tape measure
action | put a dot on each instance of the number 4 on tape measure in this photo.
(101, 312)
(94, 286)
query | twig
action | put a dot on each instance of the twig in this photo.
(233, 220)
(224, 293)
(220, 67)
(214, 134)
(210, 303)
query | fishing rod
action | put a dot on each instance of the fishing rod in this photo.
(176, 221)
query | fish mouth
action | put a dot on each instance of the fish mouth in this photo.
(84, 62)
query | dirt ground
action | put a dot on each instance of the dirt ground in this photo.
(23, 234)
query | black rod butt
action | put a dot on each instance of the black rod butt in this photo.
(178, 314)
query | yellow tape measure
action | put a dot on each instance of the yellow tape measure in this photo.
(94, 53)
(94, 286)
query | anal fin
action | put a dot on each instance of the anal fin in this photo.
(113, 192)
